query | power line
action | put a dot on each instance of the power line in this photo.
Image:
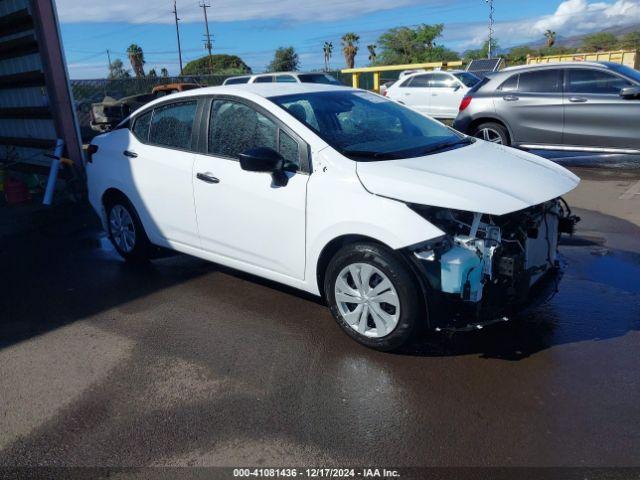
(207, 42)
(175, 14)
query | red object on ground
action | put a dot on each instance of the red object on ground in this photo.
(16, 191)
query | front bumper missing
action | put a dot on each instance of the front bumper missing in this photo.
(447, 312)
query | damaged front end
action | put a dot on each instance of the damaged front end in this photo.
(489, 267)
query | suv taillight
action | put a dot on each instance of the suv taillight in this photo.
(464, 103)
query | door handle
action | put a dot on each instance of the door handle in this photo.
(577, 99)
(207, 177)
(510, 98)
(130, 154)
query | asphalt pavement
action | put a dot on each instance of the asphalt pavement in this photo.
(181, 362)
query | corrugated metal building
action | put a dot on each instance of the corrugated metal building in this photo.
(36, 106)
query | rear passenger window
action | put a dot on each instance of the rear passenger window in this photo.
(141, 126)
(285, 79)
(419, 81)
(236, 128)
(585, 80)
(542, 81)
(511, 85)
(172, 125)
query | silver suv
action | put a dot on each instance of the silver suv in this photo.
(575, 106)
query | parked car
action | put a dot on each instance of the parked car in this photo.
(436, 93)
(284, 77)
(576, 106)
(108, 113)
(389, 215)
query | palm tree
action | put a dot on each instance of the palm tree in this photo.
(327, 49)
(136, 57)
(551, 38)
(350, 48)
(372, 53)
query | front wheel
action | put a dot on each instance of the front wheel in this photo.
(373, 296)
(492, 132)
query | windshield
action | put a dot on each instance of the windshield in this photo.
(366, 127)
(318, 78)
(626, 71)
(233, 81)
(469, 79)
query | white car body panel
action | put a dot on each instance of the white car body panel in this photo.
(438, 102)
(482, 177)
(279, 233)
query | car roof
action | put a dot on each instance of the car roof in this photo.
(534, 66)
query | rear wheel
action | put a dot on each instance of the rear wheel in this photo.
(126, 231)
(492, 132)
(373, 296)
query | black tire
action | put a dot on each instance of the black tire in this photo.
(412, 310)
(493, 127)
(141, 250)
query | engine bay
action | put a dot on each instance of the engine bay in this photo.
(493, 256)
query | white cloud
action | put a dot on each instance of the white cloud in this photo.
(572, 17)
(154, 11)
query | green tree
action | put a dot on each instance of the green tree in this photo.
(152, 73)
(551, 38)
(117, 70)
(518, 55)
(350, 48)
(164, 73)
(599, 42)
(372, 53)
(327, 51)
(284, 60)
(631, 40)
(136, 57)
(222, 65)
(413, 45)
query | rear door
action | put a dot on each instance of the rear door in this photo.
(415, 92)
(159, 159)
(446, 94)
(595, 114)
(531, 104)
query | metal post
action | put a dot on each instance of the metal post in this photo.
(53, 172)
(207, 42)
(175, 15)
(491, 10)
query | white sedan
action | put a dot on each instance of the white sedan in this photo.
(384, 212)
(436, 93)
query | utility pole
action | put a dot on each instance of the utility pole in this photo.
(491, 10)
(109, 57)
(175, 15)
(207, 37)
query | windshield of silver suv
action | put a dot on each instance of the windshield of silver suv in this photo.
(318, 78)
(367, 127)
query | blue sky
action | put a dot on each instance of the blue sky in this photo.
(253, 29)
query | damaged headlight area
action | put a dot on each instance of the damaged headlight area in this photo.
(489, 262)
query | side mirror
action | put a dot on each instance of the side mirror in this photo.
(630, 93)
(264, 159)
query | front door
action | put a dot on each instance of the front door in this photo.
(595, 115)
(531, 105)
(242, 215)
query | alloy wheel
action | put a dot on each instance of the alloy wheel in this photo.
(367, 300)
(122, 228)
(490, 135)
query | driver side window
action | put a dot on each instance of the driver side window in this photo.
(235, 128)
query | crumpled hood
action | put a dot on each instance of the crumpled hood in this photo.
(482, 177)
